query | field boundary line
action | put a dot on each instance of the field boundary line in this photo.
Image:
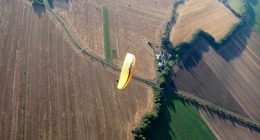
(216, 108)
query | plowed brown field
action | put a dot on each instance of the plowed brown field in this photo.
(132, 24)
(229, 77)
(49, 91)
(227, 130)
(208, 15)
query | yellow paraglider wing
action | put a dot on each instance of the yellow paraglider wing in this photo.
(127, 71)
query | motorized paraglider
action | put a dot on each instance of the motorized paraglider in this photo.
(127, 71)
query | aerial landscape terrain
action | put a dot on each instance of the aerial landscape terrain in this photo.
(197, 72)
(48, 91)
(208, 15)
(132, 24)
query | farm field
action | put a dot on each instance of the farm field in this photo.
(179, 120)
(253, 41)
(254, 11)
(49, 91)
(208, 15)
(237, 5)
(229, 77)
(11, 40)
(225, 129)
(253, 27)
(132, 25)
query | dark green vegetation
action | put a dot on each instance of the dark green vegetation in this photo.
(172, 118)
(254, 12)
(183, 47)
(165, 39)
(39, 2)
(149, 118)
(251, 10)
(229, 115)
(240, 7)
(106, 34)
(180, 49)
(179, 120)
(243, 31)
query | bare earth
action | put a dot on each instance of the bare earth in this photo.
(66, 96)
(229, 77)
(225, 129)
(132, 24)
(208, 15)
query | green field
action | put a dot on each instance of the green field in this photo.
(106, 34)
(254, 11)
(179, 120)
(237, 5)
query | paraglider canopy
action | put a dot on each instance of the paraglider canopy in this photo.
(127, 71)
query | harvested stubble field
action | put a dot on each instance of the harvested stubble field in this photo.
(132, 24)
(48, 91)
(11, 52)
(229, 77)
(226, 129)
(208, 15)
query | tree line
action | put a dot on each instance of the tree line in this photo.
(177, 53)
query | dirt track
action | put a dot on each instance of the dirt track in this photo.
(66, 96)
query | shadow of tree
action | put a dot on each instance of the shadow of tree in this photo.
(51, 4)
(229, 51)
(196, 77)
(236, 45)
(61, 3)
(38, 9)
(225, 119)
(161, 128)
(238, 42)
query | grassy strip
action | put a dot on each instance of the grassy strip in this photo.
(106, 34)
